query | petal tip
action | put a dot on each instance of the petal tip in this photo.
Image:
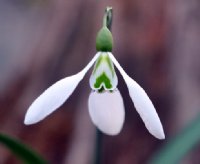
(28, 121)
(161, 136)
(158, 134)
(30, 118)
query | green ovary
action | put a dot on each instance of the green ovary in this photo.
(103, 79)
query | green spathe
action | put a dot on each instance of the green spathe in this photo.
(104, 40)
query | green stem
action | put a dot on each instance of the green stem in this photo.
(107, 19)
(99, 136)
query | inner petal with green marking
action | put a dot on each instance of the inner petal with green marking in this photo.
(103, 76)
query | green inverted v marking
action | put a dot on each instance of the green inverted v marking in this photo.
(103, 79)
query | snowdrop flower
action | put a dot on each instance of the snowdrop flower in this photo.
(105, 102)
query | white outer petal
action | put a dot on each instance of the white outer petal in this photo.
(142, 103)
(106, 110)
(53, 97)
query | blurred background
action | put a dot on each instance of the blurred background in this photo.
(41, 41)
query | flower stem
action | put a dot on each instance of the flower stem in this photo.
(108, 16)
(98, 151)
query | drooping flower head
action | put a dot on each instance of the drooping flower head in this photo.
(105, 102)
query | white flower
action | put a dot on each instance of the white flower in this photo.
(106, 106)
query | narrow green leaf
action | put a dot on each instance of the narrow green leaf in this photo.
(180, 145)
(21, 150)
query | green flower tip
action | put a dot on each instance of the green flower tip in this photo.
(104, 40)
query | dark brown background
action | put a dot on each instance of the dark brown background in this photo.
(156, 41)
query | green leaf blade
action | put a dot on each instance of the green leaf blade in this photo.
(179, 146)
(21, 150)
